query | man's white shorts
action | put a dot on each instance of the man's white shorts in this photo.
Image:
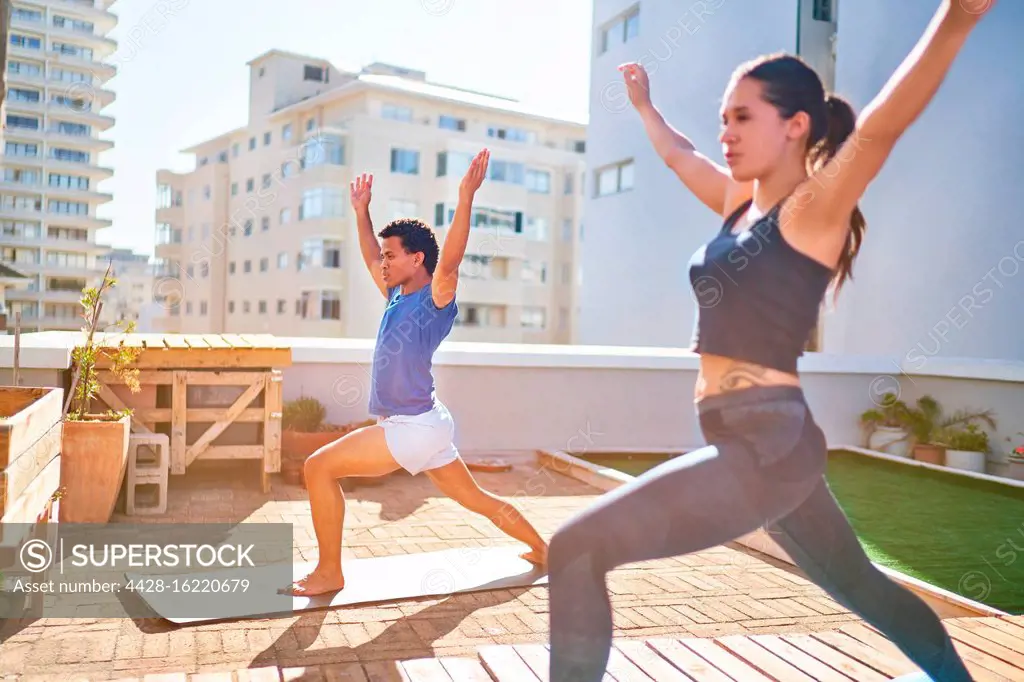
(423, 441)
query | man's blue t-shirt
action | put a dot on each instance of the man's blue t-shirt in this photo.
(410, 331)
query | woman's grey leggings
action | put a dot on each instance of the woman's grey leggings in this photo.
(764, 466)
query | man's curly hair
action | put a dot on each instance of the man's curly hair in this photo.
(417, 237)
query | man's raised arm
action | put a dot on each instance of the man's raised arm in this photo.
(446, 275)
(360, 191)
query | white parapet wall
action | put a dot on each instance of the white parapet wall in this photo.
(524, 397)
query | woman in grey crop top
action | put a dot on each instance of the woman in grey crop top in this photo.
(798, 162)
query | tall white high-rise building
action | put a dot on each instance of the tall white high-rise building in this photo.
(55, 76)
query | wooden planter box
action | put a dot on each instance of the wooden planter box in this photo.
(30, 460)
(95, 459)
(30, 447)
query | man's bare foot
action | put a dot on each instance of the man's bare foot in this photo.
(538, 556)
(317, 582)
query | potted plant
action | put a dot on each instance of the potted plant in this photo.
(1015, 461)
(94, 446)
(304, 431)
(966, 447)
(886, 426)
(927, 420)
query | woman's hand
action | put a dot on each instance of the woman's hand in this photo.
(638, 85)
(968, 10)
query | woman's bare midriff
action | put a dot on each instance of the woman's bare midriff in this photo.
(721, 375)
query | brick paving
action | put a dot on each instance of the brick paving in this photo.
(722, 591)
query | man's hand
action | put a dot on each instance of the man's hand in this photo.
(474, 176)
(360, 190)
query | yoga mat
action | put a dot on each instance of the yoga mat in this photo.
(374, 580)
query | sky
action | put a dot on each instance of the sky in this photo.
(182, 74)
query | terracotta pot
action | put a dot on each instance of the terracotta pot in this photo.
(932, 454)
(302, 444)
(94, 458)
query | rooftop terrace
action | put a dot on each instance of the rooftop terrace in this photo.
(745, 613)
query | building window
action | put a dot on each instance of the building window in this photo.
(823, 10)
(621, 29)
(405, 161)
(535, 273)
(320, 253)
(322, 149)
(286, 132)
(266, 139)
(322, 202)
(282, 260)
(263, 308)
(264, 223)
(506, 171)
(313, 73)
(396, 112)
(453, 163)
(323, 305)
(532, 318)
(614, 179)
(451, 123)
(402, 208)
(538, 181)
(512, 134)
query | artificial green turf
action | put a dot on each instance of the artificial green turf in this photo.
(960, 534)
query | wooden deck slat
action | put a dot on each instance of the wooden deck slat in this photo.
(835, 658)
(992, 648)
(687, 661)
(871, 637)
(977, 641)
(505, 665)
(993, 634)
(723, 659)
(869, 656)
(763, 660)
(536, 657)
(650, 662)
(1011, 626)
(801, 659)
(984, 666)
(621, 669)
(425, 670)
(465, 670)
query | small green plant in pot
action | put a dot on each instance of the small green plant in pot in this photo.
(886, 427)
(927, 420)
(94, 445)
(966, 447)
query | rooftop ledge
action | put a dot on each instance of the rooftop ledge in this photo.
(52, 350)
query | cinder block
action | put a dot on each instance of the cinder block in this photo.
(148, 467)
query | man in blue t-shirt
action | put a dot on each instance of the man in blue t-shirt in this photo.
(414, 430)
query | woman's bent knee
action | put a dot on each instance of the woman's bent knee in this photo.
(575, 541)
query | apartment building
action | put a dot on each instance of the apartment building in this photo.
(131, 299)
(938, 271)
(261, 237)
(49, 193)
